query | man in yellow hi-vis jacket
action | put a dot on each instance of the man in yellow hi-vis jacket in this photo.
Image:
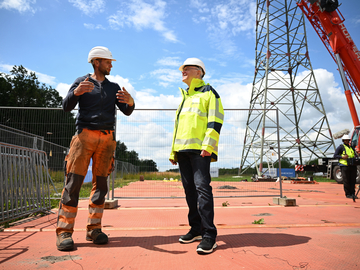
(199, 119)
(345, 153)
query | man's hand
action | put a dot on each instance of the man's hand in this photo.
(84, 87)
(173, 162)
(344, 156)
(124, 97)
(205, 153)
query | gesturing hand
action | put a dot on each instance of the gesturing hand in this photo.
(124, 97)
(84, 87)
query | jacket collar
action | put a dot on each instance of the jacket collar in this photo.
(195, 83)
(91, 78)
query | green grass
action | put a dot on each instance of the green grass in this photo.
(260, 221)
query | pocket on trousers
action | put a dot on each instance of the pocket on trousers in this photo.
(112, 166)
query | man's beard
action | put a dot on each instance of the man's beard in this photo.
(104, 71)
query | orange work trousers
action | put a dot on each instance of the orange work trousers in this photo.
(86, 144)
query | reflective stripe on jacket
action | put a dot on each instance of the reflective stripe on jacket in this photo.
(199, 119)
(347, 151)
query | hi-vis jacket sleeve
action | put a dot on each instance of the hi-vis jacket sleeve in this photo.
(215, 122)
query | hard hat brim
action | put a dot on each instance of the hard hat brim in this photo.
(101, 58)
(182, 67)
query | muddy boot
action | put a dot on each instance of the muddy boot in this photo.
(97, 236)
(64, 241)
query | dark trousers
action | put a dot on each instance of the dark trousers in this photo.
(349, 179)
(195, 176)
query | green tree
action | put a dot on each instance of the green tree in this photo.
(21, 88)
(121, 151)
(285, 163)
(122, 154)
(148, 165)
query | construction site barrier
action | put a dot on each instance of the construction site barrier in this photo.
(24, 181)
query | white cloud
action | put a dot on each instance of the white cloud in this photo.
(235, 95)
(167, 76)
(225, 21)
(63, 89)
(123, 82)
(146, 99)
(170, 61)
(201, 6)
(334, 100)
(89, 7)
(19, 5)
(6, 68)
(44, 78)
(93, 26)
(142, 15)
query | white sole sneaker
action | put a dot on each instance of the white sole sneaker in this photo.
(204, 251)
(196, 238)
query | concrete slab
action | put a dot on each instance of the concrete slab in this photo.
(284, 201)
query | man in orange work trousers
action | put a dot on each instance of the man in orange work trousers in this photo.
(94, 138)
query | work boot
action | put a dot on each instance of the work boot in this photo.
(64, 241)
(97, 236)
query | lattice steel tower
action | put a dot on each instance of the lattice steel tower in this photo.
(284, 80)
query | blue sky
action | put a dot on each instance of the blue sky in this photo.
(150, 39)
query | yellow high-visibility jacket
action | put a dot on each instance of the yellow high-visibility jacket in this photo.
(347, 151)
(198, 122)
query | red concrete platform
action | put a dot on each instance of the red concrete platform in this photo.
(321, 232)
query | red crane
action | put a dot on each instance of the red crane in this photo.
(328, 23)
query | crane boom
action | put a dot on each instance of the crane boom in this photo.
(328, 23)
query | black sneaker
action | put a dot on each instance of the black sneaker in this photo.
(190, 237)
(206, 246)
(64, 241)
(97, 236)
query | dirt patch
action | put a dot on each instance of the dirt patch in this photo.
(263, 214)
(348, 232)
(55, 259)
(227, 187)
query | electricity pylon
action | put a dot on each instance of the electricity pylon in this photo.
(284, 80)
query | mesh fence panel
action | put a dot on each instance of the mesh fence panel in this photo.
(147, 135)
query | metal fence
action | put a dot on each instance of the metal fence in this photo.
(24, 182)
(147, 134)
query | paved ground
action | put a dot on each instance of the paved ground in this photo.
(321, 232)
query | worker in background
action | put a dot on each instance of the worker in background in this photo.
(199, 119)
(94, 138)
(345, 153)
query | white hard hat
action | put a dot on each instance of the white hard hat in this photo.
(193, 62)
(100, 52)
(346, 137)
